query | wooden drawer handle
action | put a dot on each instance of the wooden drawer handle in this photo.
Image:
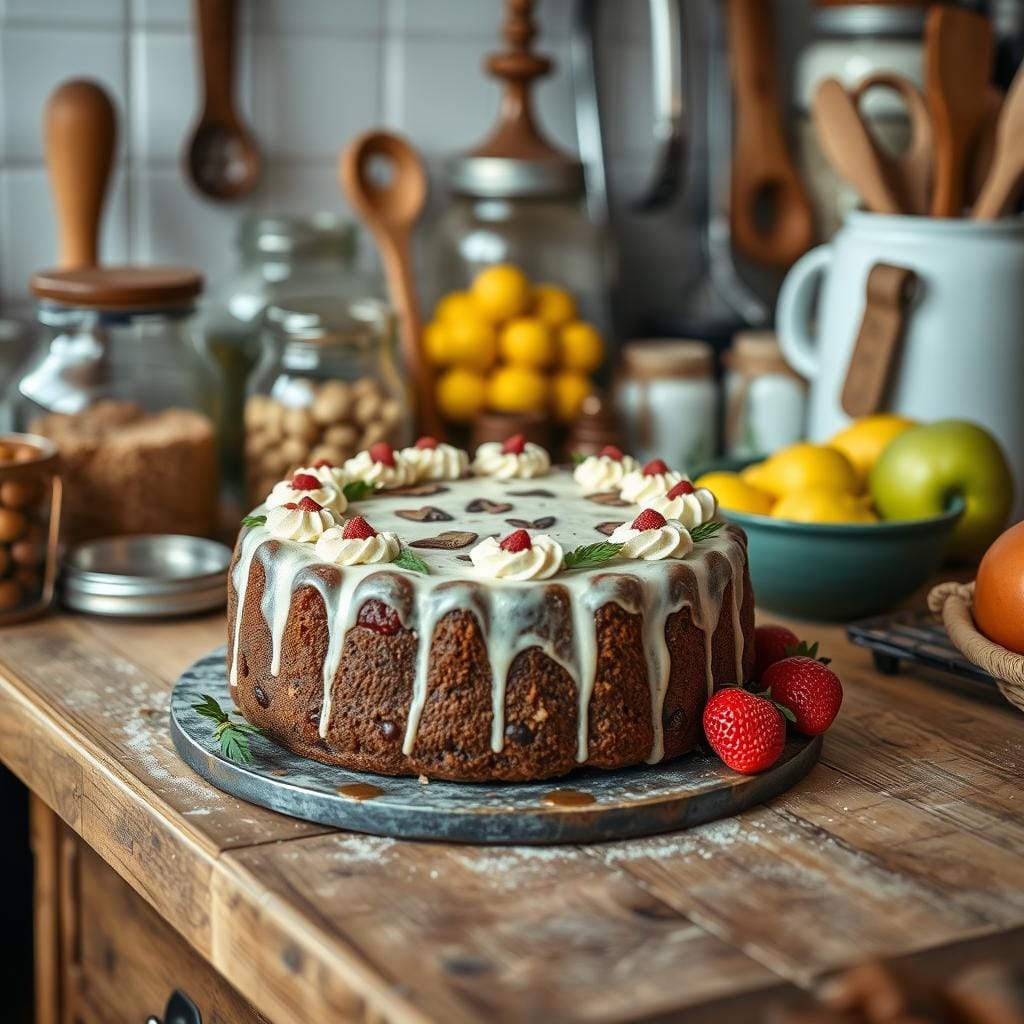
(179, 1010)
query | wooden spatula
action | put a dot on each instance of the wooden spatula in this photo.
(957, 72)
(1006, 175)
(851, 149)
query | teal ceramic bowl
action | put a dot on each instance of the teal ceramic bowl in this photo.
(837, 572)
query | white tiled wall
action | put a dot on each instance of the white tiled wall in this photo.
(312, 74)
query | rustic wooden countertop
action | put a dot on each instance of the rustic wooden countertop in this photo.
(906, 839)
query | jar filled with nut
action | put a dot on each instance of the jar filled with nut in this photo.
(30, 498)
(325, 388)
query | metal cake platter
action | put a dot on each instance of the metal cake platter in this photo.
(587, 806)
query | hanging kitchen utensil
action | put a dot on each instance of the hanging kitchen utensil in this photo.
(80, 128)
(222, 157)
(851, 149)
(876, 348)
(957, 72)
(912, 169)
(770, 209)
(383, 178)
(1005, 178)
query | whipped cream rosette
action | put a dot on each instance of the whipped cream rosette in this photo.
(514, 459)
(357, 543)
(305, 484)
(652, 537)
(605, 471)
(303, 521)
(652, 481)
(431, 459)
(381, 466)
(326, 473)
(689, 505)
(518, 557)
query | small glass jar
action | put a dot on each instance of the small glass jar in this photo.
(30, 505)
(120, 385)
(668, 400)
(326, 386)
(280, 257)
(765, 399)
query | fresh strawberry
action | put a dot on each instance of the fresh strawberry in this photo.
(808, 688)
(427, 442)
(681, 488)
(514, 445)
(746, 731)
(649, 519)
(655, 467)
(307, 504)
(305, 482)
(289, 505)
(323, 464)
(772, 644)
(609, 451)
(382, 452)
(519, 540)
(357, 528)
(379, 617)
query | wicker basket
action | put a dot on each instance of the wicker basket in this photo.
(952, 603)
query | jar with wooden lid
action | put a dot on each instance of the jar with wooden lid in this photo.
(279, 257)
(30, 508)
(668, 401)
(326, 386)
(765, 399)
(119, 384)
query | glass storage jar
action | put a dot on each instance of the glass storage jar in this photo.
(326, 386)
(120, 385)
(279, 257)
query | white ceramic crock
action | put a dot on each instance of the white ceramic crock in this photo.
(963, 344)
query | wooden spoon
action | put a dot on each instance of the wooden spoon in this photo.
(957, 70)
(913, 168)
(1006, 175)
(223, 159)
(80, 128)
(390, 208)
(770, 211)
(851, 149)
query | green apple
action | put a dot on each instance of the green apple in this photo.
(925, 469)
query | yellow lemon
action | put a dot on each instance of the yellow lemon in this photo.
(455, 306)
(554, 305)
(822, 505)
(580, 347)
(803, 466)
(471, 343)
(526, 341)
(863, 441)
(500, 292)
(733, 492)
(435, 344)
(460, 394)
(517, 389)
(568, 392)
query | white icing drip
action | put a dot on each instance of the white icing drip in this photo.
(510, 614)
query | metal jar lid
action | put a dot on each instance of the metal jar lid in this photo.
(500, 177)
(146, 576)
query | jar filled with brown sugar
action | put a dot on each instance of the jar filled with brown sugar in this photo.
(120, 386)
(30, 506)
(326, 387)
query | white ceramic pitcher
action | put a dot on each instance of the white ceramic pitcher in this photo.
(963, 343)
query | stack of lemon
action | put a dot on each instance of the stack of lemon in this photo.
(509, 346)
(813, 483)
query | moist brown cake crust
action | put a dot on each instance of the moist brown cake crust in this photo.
(373, 686)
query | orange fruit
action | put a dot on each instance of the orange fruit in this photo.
(999, 591)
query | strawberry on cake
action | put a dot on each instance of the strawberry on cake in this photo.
(489, 618)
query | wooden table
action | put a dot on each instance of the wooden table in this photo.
(906, 839)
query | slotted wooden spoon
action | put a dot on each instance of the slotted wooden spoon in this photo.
(957, 70)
